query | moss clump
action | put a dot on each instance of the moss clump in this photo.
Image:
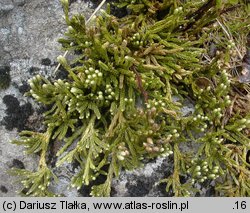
(4, 77)
(118, 104)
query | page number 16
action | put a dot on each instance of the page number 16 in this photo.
(240, 205)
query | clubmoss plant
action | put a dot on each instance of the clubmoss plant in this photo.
(122, 100)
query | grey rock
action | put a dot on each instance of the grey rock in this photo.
(62, 186)
(5, 6)
(9, 154)
(19, 2)
(31, 28)
(144, 181)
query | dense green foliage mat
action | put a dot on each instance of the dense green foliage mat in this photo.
(130, 78)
